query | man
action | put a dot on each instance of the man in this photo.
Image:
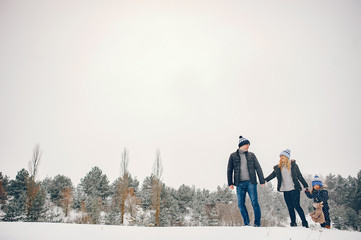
(241, 172)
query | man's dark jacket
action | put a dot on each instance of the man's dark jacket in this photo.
(234, 166)
(295, 173)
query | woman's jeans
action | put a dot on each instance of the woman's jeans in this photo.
(242, 188)
(292, 199)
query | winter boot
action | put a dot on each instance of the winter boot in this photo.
(305, 224)
(327, 226)
(293, 224)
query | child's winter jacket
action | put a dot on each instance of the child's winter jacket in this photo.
(319, 196)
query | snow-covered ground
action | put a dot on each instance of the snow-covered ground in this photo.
(53, 231)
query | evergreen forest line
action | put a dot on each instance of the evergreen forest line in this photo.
(152, 203)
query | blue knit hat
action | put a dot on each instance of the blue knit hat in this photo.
(243, 141)
(316, 181)
(286, 153)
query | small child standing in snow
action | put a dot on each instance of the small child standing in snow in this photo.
(320, 194)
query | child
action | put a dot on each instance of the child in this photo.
(320, 194)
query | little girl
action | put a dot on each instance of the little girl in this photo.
(320, 194)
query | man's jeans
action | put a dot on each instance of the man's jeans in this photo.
(242, 189)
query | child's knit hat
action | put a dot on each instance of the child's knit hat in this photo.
(286, 153)
(316, 181)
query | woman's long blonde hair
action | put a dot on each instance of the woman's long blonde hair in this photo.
(284, 161)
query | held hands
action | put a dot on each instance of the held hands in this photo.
(232, 186)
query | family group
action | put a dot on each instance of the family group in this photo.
(242, 169)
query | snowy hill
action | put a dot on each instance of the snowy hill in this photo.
(54, 231)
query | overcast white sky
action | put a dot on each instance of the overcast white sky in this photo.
(85, 79)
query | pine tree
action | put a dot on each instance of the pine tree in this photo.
(185, 195)
(93, 209)
(91, 194)
(330, 182)
(57, 186)
(339, 195)
(15, 208)
(206, 202)
(349, 192)
(113, 217)
(170, 214)
(356, 202)
(344, 201)
(145, 193)
(197, 205)
(95, 184)
(223, 194)
(37, 210)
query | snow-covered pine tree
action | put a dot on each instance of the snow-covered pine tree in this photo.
(37, 211)
(94, 208)
(169, 212)
(357, 195)
(197, 204)
(185, 195)
(95, 183)
(15, 207)
(93, 189)
(343, 199)
(56, 187)
(145, 193)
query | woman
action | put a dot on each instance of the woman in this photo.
(288, 176)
